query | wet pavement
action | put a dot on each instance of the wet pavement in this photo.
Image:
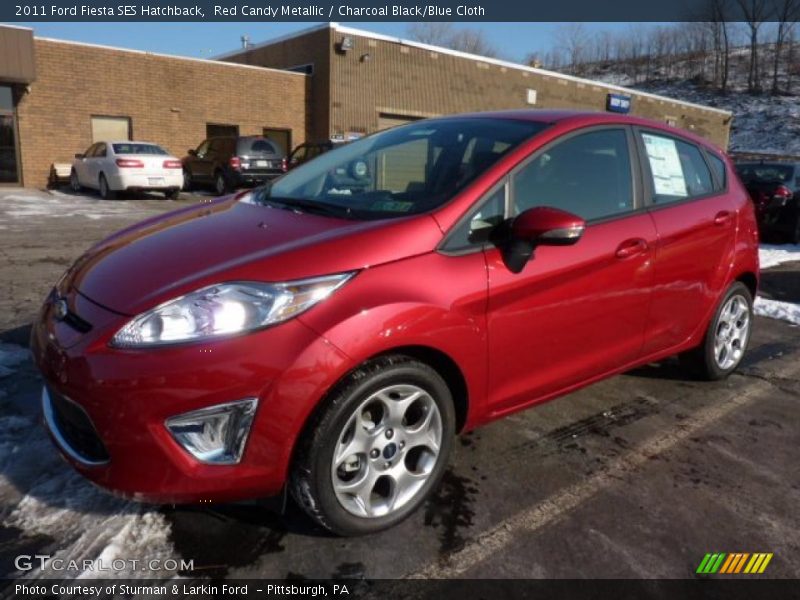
(636, 476)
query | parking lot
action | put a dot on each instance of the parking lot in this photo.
(637, 476)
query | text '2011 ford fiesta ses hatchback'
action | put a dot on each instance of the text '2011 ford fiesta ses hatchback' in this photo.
(332, 331)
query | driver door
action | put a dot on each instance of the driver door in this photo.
(574, 312)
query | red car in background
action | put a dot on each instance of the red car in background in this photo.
(333, 330)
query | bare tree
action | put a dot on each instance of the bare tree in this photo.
(435, 34)
(473, 41)
(574, 41)
(755, 12)
(787, 14)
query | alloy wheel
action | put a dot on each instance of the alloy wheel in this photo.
(732, 332)
(387, 451)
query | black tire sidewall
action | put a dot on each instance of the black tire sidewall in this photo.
(325, 437)
(220, 175)
(714, 370)
(107, 194)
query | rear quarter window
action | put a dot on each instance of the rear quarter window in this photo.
(720, 173)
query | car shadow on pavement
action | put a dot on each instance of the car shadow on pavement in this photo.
(781, 284)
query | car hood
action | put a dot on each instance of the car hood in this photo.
(227, 240)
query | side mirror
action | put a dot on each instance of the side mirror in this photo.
(79, 156)
(539, 226)
(544, 225)
(192, 152)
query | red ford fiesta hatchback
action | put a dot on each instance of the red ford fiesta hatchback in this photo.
(332, 331)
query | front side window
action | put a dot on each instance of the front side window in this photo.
(588, 175)
(402, 171)
(202, 150)
(677, 169)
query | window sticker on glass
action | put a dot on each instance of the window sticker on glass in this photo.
(665, 165)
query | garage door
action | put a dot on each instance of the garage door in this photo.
(387, 121)
(111, 128)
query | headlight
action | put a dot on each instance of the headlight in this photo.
(225, 309)
(215, 435)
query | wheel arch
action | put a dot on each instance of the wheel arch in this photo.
(750, 280)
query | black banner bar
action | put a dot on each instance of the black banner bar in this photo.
(390, 10)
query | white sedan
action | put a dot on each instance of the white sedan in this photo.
(112, 167)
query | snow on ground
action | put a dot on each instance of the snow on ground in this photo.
(10, 356)
(776, 309)
(20, 206)
(772, 255)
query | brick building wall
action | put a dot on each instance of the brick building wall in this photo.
(313, 48)
(168, 99)
(386, 77)
(381, 81)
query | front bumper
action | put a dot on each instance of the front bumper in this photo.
(127, 395)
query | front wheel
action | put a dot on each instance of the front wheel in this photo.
(377, 449)
(727, 336)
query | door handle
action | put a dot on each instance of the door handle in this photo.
(630, 248)
(723, 218)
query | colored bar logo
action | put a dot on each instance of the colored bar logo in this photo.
(734, 563)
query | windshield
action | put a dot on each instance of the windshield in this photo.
(401, 171)
(139, 149)
(758, 173)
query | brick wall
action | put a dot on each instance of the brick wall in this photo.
(169, 101)
(397, 79)
(313, 48)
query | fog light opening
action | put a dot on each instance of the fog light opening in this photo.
(217, 434)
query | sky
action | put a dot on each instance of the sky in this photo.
(514, 41)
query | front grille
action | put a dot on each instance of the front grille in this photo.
(73, 429)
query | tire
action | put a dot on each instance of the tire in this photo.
(74, 182)
(721, 353)
(172, 194)
(188, 184)
(393, 465)
(106, 193)
(794, 238)
(220, 183)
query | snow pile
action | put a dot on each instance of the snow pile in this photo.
(17, 209)
(43, 496)
(10, 356)
(776, 309)
(772, 256)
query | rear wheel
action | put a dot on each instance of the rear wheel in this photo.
(106, 193)
(74, 182)
(172, 194)
(795, 237)
(726, 338)
(220, 183)
(377, 449)
(187, 180)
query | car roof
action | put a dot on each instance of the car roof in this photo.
(586, 117)
(127, 142)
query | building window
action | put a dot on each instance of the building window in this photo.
(221, 130)
(281, 137)
(111, 128)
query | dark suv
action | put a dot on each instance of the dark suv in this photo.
(227, 163)
(775, 190)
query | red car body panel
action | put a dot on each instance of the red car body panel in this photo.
(573, 315)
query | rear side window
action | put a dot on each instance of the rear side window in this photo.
(677, 169)
(718, 166)
(588, 175)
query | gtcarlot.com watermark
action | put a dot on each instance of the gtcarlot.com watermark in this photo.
(45, 562)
